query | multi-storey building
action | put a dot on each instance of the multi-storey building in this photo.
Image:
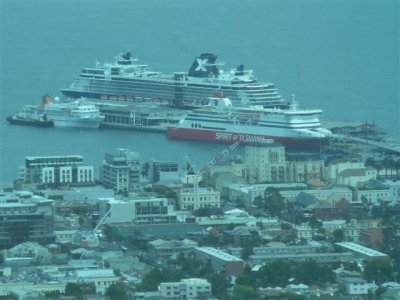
(25, 217)
(220, 261)
(137, 211)
(334, 168)
(235, 167)
(121, 171)
(303, 232)
(193, 199)
(373, 195)
(304, 168)
(163, 171)
(186, 289)
(159, 249)
(265, 162)
(354, 177)
(56, 171)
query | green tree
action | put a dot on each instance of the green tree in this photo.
(379, 269)
(247, 251)
(338, 235)
(244, 292)
(397, 167)
(117, 291)
(52, 294)
(1, 258)
(274, 203)
(259, 202)
(208, 211)
(74, 289)
(370, 162)
(276, 273)
(151, 280)
(219, 284)
(311, 272)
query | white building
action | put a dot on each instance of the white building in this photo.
(331, 226)
(353, 177)
(121, 171)
(334, 168)
(193, 199)
(304, 168)
(356, 286)
(351, 233)
(190, 289)
(64, 236)
(373, 195)
(102, 278)
(138, 211)
(394, 187)
(303, 232)
(265, 162)
(56, 170)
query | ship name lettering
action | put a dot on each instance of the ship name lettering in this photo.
(249, 138)
(223, 135)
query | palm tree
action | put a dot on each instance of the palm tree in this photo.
(386, 165)
(370, 162)
(392, 165)
(397, 167)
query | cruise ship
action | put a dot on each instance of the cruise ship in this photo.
(220, 121)
(73, 114)
(126, 80)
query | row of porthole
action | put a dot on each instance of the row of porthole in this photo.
(196, 125)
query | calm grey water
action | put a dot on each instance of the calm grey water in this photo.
(338, 55)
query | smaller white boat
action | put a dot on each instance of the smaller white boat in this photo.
(73, 114)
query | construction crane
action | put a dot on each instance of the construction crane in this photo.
(194, 177)
(191, 173)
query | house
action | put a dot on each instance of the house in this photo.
(355, 286)
(159, 248)
(353, 177)
(303, 232)
(323, 210)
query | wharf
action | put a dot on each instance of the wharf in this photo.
(361, 136)
(142, 117)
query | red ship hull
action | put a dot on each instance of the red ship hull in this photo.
(231, 137)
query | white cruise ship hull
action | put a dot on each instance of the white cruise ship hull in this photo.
(78, 123)
(127, 81)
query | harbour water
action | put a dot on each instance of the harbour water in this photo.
(338, 55)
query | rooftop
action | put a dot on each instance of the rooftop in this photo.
(218, 253)
(361, 249)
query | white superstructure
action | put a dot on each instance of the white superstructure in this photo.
(220, 121)
(73, 114)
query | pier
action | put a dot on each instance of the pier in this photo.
(341, 140)
(144, 117)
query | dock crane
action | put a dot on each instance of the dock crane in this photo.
(194, 177)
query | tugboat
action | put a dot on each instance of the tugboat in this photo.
(30, 115)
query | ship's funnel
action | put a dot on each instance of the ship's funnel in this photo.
(204, 66)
